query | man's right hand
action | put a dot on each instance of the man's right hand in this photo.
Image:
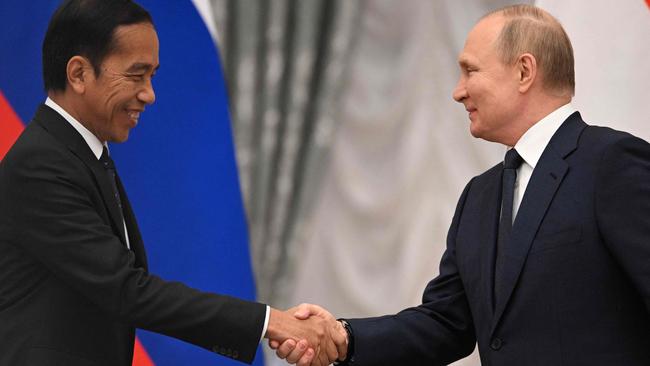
(298, 352)
(304, 339)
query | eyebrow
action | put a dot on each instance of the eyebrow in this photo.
(141, 66)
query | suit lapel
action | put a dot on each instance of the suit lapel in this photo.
(545, 181)
(59, 127)
(543, 184)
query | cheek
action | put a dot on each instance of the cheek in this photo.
(118, 93)
(113, 97)
(479, 90)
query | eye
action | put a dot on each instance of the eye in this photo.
(136, 77)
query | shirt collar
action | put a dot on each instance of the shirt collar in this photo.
(532, 144)
(93, 142)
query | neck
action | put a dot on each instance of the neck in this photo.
(73, 107)
(533, 110)
(65, 102)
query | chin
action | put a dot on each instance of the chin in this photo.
(120, 138)
(476, 132)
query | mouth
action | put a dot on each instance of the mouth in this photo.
(470, 111)
(134, 115)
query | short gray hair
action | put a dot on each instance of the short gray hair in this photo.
(529, 29)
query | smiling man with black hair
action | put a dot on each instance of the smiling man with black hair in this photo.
(74, 280)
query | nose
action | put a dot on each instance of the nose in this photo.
(460, 92)
(147, 95)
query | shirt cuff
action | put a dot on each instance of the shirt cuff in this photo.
(266, 322)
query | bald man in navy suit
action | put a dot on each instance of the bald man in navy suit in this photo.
(548, 253)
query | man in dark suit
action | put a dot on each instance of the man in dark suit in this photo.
(74, 281)
(548, 253)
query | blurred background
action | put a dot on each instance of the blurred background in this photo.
(347, 148)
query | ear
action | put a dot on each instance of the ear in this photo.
(527, 71)
(79, 72)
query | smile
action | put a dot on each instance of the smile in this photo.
(134, 116)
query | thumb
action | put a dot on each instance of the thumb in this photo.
(304, 311)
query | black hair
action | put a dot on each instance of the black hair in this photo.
(84, 28)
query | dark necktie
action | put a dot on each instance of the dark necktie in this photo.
(109, 165)
(510, 165)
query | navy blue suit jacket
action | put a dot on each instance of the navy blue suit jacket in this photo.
(578, 268)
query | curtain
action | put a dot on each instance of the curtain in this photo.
(284, 62)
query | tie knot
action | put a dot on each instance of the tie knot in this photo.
(106, 160)
(513, 160)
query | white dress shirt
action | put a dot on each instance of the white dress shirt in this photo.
(93, 142)
(531, 146)
(97, 147)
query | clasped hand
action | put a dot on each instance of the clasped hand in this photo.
(307, 335)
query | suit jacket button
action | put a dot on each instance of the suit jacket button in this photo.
(496, 344)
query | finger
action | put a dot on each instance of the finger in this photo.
(307, 358)
(304, 311)
(285, 349)
(298, 352)
(331, 350)
(317, 358)
(322, 356)
(274, 344)
(340, 338)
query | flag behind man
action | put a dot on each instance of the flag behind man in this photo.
(178, 164)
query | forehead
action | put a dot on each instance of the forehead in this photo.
(481, 40)
(136, 41)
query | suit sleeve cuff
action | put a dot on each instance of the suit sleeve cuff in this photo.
(266, 322)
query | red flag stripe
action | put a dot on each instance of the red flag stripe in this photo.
(140, 356)
(10, 126)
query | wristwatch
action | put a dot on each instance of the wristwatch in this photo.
(349, 357)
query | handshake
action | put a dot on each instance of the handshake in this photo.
(307, 335)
